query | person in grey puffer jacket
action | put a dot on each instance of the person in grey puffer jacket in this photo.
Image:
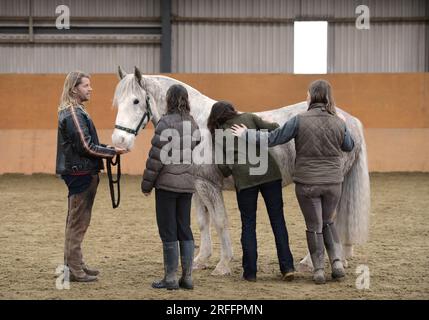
(169, 169)
(321, 136)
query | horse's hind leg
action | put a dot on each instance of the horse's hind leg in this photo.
(347, 254)
(203, 218)
(348, 251)
(305, 265)
(220, 220)
(212, 198)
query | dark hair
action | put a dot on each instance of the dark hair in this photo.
(221, 112)
(177, 100)
(320, 92)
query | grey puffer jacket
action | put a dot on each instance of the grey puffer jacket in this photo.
(169, 165)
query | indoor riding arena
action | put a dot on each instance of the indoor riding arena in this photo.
(258, 55)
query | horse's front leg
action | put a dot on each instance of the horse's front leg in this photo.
(203, 218)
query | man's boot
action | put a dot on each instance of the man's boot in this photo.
(187, 257)
(317, 253)
(334, 249)
(85, 278)
(90, 271)
(171, 262)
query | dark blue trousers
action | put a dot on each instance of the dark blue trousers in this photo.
(173, 215)
(247, 202)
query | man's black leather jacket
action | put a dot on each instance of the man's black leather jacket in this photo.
(78, 148)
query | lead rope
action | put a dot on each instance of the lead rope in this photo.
(112, 182)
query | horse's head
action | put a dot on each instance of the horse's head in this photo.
(136, 106)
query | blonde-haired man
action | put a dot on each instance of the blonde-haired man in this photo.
(79, 160)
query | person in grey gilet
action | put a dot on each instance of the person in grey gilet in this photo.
(321, 135)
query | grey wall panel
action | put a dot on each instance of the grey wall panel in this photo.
(41, 58)
(83, 8)
(378, 8)
(61, 57)
(235, 47)
(385, 48)
(97, 8)
(14, 8)
(261, 47)
(236, 8)
(295, 8)
(232, 48)
(316, 8)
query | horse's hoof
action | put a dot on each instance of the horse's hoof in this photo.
(199, 266)
(221, 271)
(302, 267)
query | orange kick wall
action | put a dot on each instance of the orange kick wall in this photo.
(394, 109)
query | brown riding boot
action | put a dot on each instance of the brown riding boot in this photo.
(90, 271)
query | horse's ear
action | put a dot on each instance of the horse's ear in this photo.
(121, 72)
(137, 74)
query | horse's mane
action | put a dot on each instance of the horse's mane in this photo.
(189, 88)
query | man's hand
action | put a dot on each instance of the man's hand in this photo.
(238, 130)
(120, 150)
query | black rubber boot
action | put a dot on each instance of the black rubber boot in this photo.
(334, 249)
(171, 261)
(187, 257)
(317, 253)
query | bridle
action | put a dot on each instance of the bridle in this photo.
(111, 163)
(148, 114)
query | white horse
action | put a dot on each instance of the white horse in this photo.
(135, 91)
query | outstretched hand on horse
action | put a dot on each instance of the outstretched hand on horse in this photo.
(238, 130)
(268, 118)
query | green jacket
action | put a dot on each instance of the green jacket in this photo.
(241, 172)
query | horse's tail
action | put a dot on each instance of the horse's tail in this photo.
(353, 210)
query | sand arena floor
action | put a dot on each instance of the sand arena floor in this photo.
(124, 244)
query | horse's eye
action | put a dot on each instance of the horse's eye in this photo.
(136, 101)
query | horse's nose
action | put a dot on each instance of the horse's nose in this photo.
(117, 139)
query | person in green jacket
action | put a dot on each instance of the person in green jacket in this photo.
(223, 116)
